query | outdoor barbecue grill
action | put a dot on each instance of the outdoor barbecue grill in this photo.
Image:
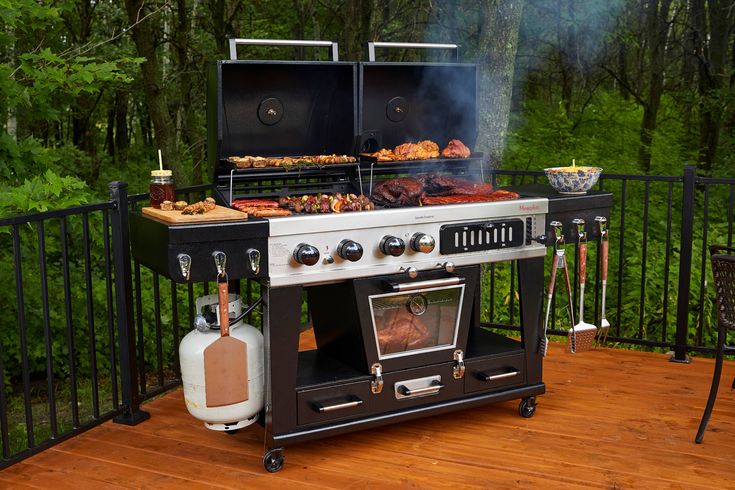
(393, 293)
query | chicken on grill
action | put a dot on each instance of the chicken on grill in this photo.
(456, 149)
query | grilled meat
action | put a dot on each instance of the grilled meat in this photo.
(255, 203)
(423, 150)
(443, 185)
(404, 191)
(326, 203)
(402, 331)
(200, 207)
(262, 162)
(456, 149)
(383, 155)
(462, 199)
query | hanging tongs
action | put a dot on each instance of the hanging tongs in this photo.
(558, 263)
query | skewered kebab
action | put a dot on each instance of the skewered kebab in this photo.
(262, 162)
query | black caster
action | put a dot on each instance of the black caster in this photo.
(232, 432)
(273, 460)
(527, 407)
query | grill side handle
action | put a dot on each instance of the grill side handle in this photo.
(380, 44)
(283, 42)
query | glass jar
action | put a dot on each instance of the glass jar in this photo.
(161, 187)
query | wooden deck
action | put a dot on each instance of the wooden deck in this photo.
(610, 418)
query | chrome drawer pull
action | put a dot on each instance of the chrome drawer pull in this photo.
(429, 390)
(338, 406)
(495, 377)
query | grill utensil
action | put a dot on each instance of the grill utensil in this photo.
(604, 245)
(225, 360)
(585, 333)
(558, 263)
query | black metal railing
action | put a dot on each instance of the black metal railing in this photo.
(88, 334)
(658, 226)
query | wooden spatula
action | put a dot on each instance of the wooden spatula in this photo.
(225, 360)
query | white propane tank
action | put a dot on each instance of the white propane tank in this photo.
(191, 355)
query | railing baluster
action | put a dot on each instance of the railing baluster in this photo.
(157, 319)
(644, 262)
(512, 300)
(621, 254)
(22, 331)
(492, 293)
(50, 378)
(110, 308)
(192, 304)
(667, 262)
(3, 408)
(90, 318)
(703, 268)
(731, 205)
(71, 351)
(143, 385)
(175, 328)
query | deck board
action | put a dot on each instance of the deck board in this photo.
(610, 419)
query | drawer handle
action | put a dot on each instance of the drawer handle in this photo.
(339, 406)
(432, 389)
(494, 377)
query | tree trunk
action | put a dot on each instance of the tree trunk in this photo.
(122, 141)
(182, 68)
(144, 38)
(657, 29)
(567, 44)
(714, 78)
(497, 47)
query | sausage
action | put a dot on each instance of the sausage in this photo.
(255, 203)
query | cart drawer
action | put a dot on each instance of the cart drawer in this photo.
(333, 403)
(493, 373)
(418, 386)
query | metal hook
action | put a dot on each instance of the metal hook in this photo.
(581, 234)
(602, 224)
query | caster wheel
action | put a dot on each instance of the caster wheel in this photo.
(232, 432)
(273, 460)
(527, 407)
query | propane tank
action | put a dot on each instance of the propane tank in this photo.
(191, 354)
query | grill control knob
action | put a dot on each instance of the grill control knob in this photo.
(306, 254)
(392, 245)
(349, 250)
(421, 242)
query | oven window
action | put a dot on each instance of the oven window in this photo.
(416, 321)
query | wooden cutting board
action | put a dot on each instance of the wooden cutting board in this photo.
(220, 213)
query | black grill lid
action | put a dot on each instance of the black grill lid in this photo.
(408, 102)
(280, 108)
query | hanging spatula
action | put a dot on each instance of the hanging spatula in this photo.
(604, 247)
(225, 360)
(585, 332)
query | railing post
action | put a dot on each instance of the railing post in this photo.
(124, 307)
(685, 265)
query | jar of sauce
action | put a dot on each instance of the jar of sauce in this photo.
(161, 187)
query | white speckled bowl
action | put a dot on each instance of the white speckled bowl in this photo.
(572, 180)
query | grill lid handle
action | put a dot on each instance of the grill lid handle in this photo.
(379, 44)
(283, 42)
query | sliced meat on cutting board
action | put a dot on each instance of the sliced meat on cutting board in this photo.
(219, 213)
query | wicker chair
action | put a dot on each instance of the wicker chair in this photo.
(723, 271)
